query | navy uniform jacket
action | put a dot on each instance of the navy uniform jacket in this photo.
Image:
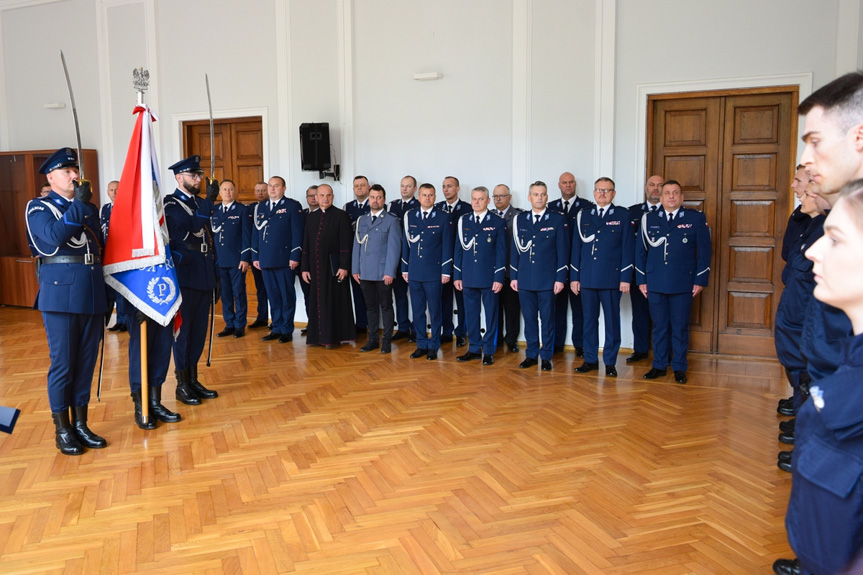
(427, 245)
(540, 252)
(377, 247)
(354, 211)
(673, 257)
(232, 234)
(480, 250)
(797, 225)
(188, 219)
(602, 249)
(57, 227)
(399, 208)
(826, 503)
(105, 217)
(636, 211)
(277, 237)
(460, 208)
(576, 204)
(509, 216)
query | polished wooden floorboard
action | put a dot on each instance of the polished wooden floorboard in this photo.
(335, 461)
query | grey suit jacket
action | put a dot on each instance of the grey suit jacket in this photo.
(377, 247)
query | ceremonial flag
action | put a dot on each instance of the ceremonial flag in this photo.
(137, 261)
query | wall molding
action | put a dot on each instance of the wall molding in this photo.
(284, 85)
(604, 85)
(848, 37)
(4, 108)
(803, 81)
(347, 99)
(522, 23)
(13, 4)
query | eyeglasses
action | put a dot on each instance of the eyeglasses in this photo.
(599, 191)
(500, 197)
(194, 175)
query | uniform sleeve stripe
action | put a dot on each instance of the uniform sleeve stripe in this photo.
(295, 249)
(626, 268)
(446, 262)
(704, 271)
(499, 269)
(562, 268)
(638, 270)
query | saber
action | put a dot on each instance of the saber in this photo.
(75, 116)
(212, 135)
(101, 364)
(212, 325)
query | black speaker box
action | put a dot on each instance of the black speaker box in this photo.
(315, 146)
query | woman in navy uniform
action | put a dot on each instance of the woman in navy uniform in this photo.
(63, 231)
(601, 265)
(825, 510)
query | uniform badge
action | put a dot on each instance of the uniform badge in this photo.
(684, 240)
(488, 239)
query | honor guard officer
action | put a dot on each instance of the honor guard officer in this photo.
(232, 234)
(277, 247)
(601, 269)
(63, 231)
(398, 208)
(509, 310)
(426, 266)
(455, 208)
(355, 208)
(641, 324)
(263, 312)
(479, 264)
(569, 205)
(375, 258)
(672, 267)
(188, 219)
(538, 266)
(105, 218)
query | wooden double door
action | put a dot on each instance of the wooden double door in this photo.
(732, 153)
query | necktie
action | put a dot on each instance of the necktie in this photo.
(374, 218)
(652, 208)
(477, 219)
(566, 207)
(536, 218)
(601, 212)
(425, 215)
(500, 213)
(670, 216)
(448, 208)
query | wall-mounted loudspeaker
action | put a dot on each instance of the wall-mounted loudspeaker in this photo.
(315, 146)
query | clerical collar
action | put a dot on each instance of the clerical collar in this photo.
(377, 213)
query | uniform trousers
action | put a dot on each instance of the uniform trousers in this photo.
(447, 295)
(591, 300)
(560, 319)
(426, 294)
(379, 307)
(234, 302)
(306, 288)
(159, 340)
(261, 290)
(400, 291)
(283, 298)
(640, 320)
(538, 307)
(362, 320)
(508, 315)
(670, 313)
(195, 311)
(473, 297)
(73, 346)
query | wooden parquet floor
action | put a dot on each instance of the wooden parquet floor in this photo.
(316, 461)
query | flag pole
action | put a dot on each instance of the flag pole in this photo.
(140, 87)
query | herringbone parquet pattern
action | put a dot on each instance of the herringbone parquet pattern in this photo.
(316, 461)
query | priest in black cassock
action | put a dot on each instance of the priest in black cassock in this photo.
(325, 266)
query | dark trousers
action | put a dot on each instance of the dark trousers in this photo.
(234, 302)
(379, 307)
(641, 324)
(159, 340)
(362, 320)
(591, 300)
(306, 288)
(536, 307)
(261, 291)
(195, 311)
(670, 313)
(73, 346)
(400, 291)
(509, 315)
(560, 318)
(283, 298)
(426, 294)
(473, 298)
(448, 294)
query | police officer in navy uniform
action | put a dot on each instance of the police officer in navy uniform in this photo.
(398, 208)
(672, 267)
(277, 247)
(539, 262)
(355, 208)
(263, 311)
(569, 205)
(455, 208)
(63, 232)
(509, 310)
(601, 269)
(113, 296)
(232, 235)
(641, 324)
(426, 266)
(479, 264)
(188, 220)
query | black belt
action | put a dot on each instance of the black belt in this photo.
(88, 259)
(202, 247)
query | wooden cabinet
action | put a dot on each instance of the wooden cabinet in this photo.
(20, 182)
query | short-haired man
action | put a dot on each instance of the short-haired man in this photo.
(105, 218)
(44, 190)
(398, 208)
(672, 267)
(601, 268)
(263, 310)
(426, 266)
(538, 266)
(355, 208)
(312, 202)
(376, 253)
(569, 204)
(509, 311)
(641, 324)
(232, 234)
(277, 246)
(455, 207)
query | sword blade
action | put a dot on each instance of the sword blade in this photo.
(212, 135)
(74, 116)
